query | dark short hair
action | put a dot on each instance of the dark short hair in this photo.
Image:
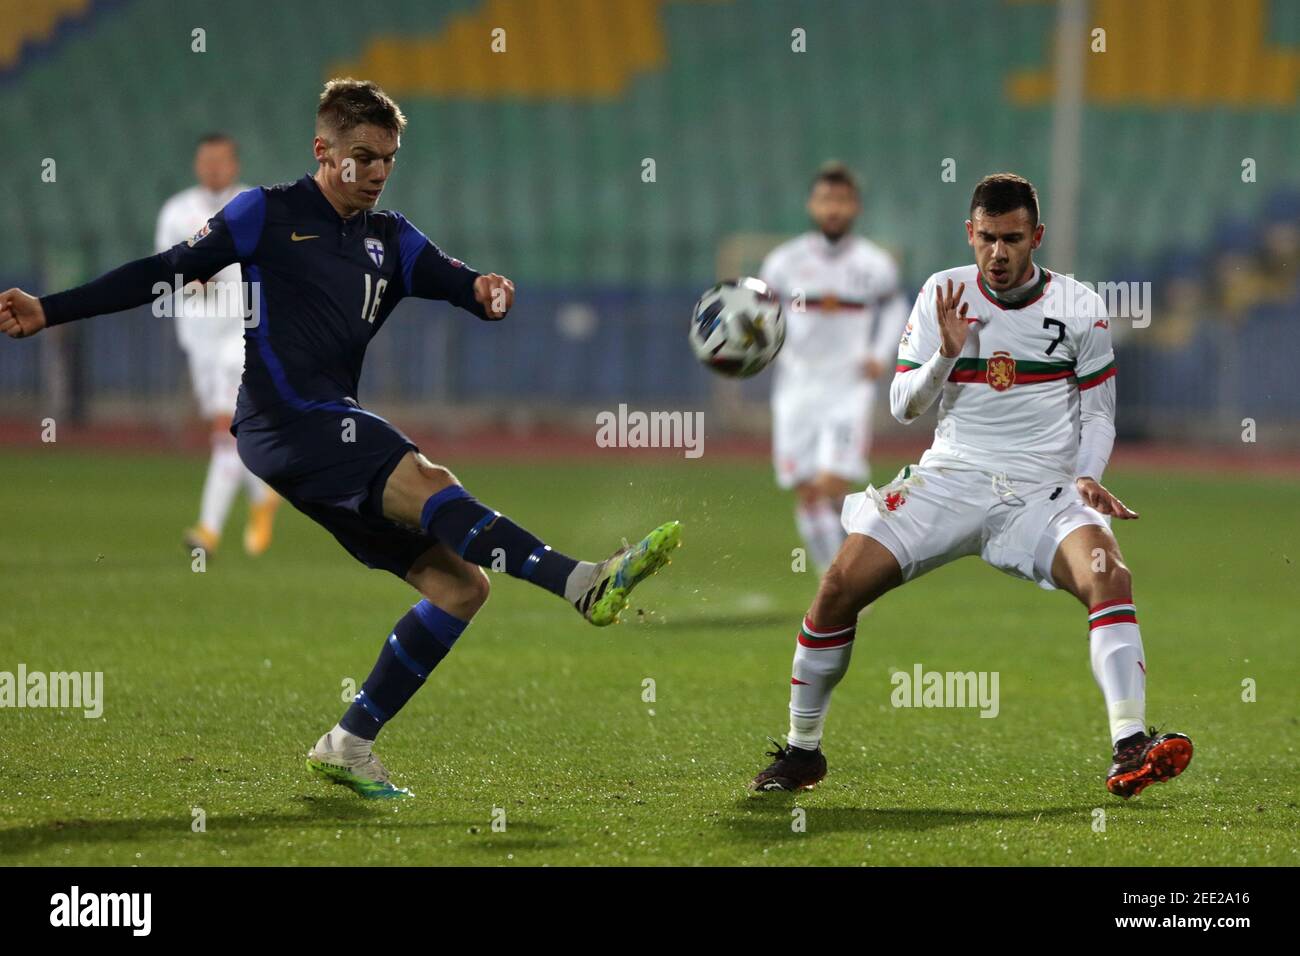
(346, 103)
(212, 139)
(836, 174)
(1001, 193)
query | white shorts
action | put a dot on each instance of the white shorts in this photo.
(928, 517)
(814, 432)
(216, 381)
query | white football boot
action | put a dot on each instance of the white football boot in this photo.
(346, 759)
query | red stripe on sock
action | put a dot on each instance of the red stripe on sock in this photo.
(824, 645)
(1113, 619)
(809, 625)
(1105, 604)
(839, 640)
(804, 683)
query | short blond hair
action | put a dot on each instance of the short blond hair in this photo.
(346, 103)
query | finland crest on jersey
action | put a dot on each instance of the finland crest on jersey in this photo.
(207, 228)
(375, 248)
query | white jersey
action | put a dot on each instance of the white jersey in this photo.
(842, 306)
(210, 325)
(1010, 405)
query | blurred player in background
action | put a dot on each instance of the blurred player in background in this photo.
(844, 314)
(210, 327)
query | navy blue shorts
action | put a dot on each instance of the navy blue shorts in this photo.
(338, 483)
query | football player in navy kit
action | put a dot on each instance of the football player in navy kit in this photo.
(324, 270)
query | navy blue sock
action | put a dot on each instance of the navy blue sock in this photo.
(419, 641)
(488, 538)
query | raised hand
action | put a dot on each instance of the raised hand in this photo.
(952, 321)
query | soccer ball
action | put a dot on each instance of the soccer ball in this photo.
(737, 327)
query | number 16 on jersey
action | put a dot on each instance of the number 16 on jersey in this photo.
(369, 308)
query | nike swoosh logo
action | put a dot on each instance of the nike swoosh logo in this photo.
(297, 238)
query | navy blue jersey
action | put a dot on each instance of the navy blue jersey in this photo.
(320, 287)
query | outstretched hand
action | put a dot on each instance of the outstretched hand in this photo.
(1095, 495)
(21, 314)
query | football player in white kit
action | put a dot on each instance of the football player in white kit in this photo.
(844, 313)
(210, 327)
(1020, 361)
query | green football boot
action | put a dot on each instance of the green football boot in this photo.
(615, 578)
(353, 766)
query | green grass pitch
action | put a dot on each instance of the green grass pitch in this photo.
(217, 683)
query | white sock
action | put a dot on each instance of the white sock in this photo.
(579, 581)
(821, 658)
(256, 489)
(339, 740)
(809, 523)
(829, 527)
(225, 472)
(1118, 664)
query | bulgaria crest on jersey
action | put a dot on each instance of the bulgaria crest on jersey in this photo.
(375, 249)
(1001, 372)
